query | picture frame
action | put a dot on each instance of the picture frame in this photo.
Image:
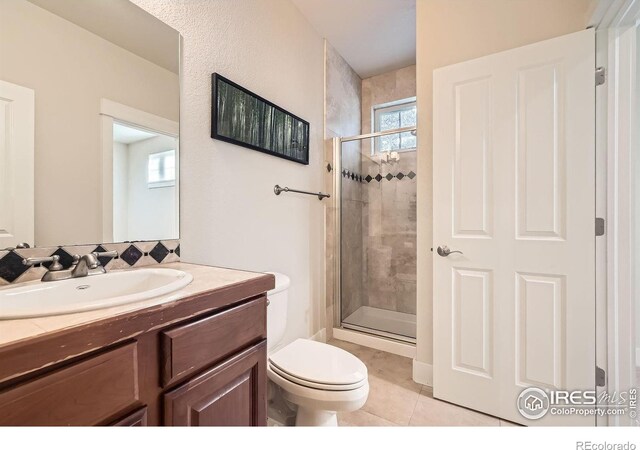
(241, 117)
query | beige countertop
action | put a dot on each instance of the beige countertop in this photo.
(205, 279)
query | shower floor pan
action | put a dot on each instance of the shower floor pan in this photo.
(383, 322)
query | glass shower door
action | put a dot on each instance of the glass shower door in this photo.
(378, 240)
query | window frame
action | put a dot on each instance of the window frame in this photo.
(162, 183)
(376, 111)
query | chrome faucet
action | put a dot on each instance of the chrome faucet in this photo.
(82, 266)
(85, 265)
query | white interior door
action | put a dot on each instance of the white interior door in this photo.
(16, 165)
(514, 188)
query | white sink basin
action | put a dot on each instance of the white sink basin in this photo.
(89, 293)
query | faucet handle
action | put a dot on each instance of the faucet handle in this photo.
(111, 254)
(54, 259)
(98, 255)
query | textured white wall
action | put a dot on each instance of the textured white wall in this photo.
(229, 214)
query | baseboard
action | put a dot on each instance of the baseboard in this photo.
(320, 336)
(422, 373)
(378, 343)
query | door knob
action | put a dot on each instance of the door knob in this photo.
(444, 251)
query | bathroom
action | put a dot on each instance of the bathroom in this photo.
(127, 161)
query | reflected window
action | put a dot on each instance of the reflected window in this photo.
(390, 116)
(162, 169)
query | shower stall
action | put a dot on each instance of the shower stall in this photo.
(375, 288)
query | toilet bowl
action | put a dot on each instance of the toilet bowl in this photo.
(319, 379)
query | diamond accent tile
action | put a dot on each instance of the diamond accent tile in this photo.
(11, 266)
(65, 259)
(378, 178)
(178, 250)
(159, 252)
(104, 260)
(131, 255)
(400, 176)
(368, 178)
(411, 175)
(389, 177)
(171, 244)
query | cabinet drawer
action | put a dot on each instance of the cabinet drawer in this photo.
(188, 348)
(86, 393)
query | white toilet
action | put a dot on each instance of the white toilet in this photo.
(318, 378)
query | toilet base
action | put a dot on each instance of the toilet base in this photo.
(307, 417)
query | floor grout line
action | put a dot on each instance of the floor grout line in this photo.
(416, 403)
(380, 417)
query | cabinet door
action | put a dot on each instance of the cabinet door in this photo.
(232, 393)
(135, 419)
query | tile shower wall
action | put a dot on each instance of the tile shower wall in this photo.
(389, 211)
(130, 254)
(342, 118)
(385, 88)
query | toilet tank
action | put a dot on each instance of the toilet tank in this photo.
(277, 310)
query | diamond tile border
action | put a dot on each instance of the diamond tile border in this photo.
(130, 254)
(349, 175)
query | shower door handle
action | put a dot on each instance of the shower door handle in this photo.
(444, 251)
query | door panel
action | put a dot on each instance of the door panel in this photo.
(472, 199)
(473, 335)
(539, 305)
(514, 191)
(540, 153)
(17, 118)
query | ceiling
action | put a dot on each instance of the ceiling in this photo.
(373, 36)
(128, 135)
(124, 24)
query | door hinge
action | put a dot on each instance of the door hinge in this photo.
(599, 226)
(601, 377)
(601, 76)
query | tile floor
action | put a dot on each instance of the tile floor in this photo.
(395, 399)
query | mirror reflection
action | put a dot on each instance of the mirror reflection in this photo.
(89, 123)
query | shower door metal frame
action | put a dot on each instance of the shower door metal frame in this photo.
(337, 204)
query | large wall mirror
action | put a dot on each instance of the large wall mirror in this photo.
(89, 123)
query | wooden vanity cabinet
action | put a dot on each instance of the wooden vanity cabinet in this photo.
(185, 367)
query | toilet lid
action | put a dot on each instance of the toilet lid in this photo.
(318, 364)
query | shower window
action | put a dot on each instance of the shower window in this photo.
(390, 116)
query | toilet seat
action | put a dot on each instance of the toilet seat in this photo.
(313, 385)
(317, 365)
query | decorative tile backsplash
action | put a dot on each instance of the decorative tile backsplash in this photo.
(379, 177)
(130, 254)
